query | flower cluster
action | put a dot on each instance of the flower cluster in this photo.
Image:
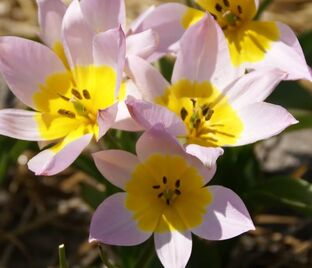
(91, 74)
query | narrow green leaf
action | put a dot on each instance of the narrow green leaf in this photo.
(62, 257)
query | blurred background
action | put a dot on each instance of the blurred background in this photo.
(273, 177)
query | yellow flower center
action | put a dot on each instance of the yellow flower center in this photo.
(206, 113)
(248, 40)
(165, 193)
(69, 102)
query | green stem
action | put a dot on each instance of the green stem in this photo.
(264, 4)
(147, 256)
(62, 257)
(104, 258)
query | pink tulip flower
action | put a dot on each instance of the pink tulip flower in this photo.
(252, 44)
(73, 90)
(165, 194)
(209, 102)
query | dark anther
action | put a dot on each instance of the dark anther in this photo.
(86, 94)
(193, 102)
(160, 195)
(226, 3)
(205, 109)
(178, 192)
(240, 10)
(66, 113)
(76, 93)
(183, 113)
(197, 123)
(164, 179)
(168, 202)
(64, 97)
(209, 115)
(156, 186)
(218, 7)
(177, 183)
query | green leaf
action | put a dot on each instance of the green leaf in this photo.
(263, 6)
(285, 191)
(306, 42)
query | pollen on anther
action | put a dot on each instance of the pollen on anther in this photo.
(226, 3)
(66, 113)
(177, 183)
(160, 195)
(76, 93)
(178, 192)
(240, 10)
(164, 179)
(86, 94)
(156, 186)
(183, 113)
(218, 7)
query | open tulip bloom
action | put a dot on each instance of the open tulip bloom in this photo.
(209, 102)
(165, 193)
(252, 44)
(74, 91)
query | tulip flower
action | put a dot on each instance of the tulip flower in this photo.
(73, 91)
(165, 194)
(252, 44)
(209, 102)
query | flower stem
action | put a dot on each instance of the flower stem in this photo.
(104, 258)
(62, 257)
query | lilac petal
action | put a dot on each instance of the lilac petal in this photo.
(49, 163)
(105, 119)
(149, 114)
(25, 65)
(263, 120)
(226, 216)
(253, 87)
(208, 158)
(148, 80)
(142, 44)
(157, 140)
(116, 166)
(109, 48)
(166, 21)
(19, 124)
(173, 248)
(103, 15)
(204, 55)
(77, 36)
(51, 13)
(285, 51)
(124, 121)
(113, 224)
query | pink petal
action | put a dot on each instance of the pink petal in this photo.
(253, 87)
(124, 121)
(25, 65)
(105, 119)
(77, 36)
(208, 158)
(51, 13)
(148, 80)
(116, 166)
(287, 56)
(103, 15)
(204, 55)
(49, 163)
(263, 120)
(157, 140)
(142, 44)
(166, 21)
(113, 224)
(173, 248)
(109, 48)
(226, 216)
(149, 114)
(19, 124)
